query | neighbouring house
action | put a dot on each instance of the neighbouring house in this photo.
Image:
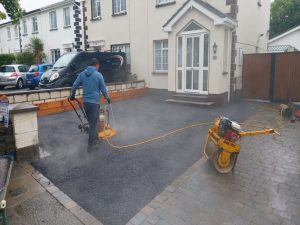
(57, 25)
(189, 47)
(289, 41)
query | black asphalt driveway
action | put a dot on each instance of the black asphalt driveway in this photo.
(113, 185)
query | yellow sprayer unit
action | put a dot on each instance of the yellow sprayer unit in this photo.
(221, 145)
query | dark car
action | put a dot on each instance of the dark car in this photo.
(35, 73)
(113, 66)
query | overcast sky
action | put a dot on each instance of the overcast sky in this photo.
(29, 5)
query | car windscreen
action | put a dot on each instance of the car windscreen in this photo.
(64, 60)
(7, 69)
(34, 68)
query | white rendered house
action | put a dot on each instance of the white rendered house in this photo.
(57, 25)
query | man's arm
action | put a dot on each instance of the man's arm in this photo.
(75, 86)
(103, 89)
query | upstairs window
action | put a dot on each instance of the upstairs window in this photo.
(119, 7)
(35, 27)
(24, 27)
(53, 21)
(8, 33)
(164, 2)
(96, 9)
(66, 12)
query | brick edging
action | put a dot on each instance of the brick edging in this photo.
(61, 197)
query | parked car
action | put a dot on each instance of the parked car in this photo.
(113, 66)
(13, 75)
(35, 73)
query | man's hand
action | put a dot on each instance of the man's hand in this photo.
(108, 99)
(72, 97)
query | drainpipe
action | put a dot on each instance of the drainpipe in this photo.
(229, 61)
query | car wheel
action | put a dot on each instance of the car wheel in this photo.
(20, 84)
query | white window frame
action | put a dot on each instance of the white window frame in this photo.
(16, 30)
(53, 20)
(35, 26)
(163, 2)
(67, 17)
(96, 9)
(162, 51)
(24, 23)
(123, 48)
(8, 33)
(119, 7)
(55, 54)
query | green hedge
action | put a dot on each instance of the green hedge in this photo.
(6, 59)
(25, 58)
(19, 58)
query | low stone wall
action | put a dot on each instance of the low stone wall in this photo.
(52, 101)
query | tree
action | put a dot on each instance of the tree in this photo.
(26, 58)
(36, 47)
(285, 14)
(13, 10)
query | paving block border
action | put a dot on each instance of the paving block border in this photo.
(84, 217)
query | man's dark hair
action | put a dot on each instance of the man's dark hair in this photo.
(94, 62)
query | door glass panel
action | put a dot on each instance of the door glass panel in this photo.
(196, 80)
(180, 52)
(205, 80)
(205, 53)
(189, 79)
(189, 52)
(196, 51)
(179, 79)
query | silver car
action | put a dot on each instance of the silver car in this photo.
(13, 75)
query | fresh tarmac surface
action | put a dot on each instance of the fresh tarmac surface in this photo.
(113, 185)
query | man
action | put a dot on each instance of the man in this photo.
(92, 83)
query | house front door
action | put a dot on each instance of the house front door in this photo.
(192, 64)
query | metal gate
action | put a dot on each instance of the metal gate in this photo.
(272, 76)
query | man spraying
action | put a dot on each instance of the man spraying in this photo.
(92, 83)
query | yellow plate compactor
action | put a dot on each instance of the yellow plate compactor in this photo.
(221, 145)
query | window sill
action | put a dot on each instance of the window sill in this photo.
(225, 73)
(53, 29)
(24, 35)
(96, 19)
(35, 32)
(9, 40)
(165, 4)
(160, 73)
(66, 27)
(119, 14)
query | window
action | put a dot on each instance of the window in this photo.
(55, 54)
(119, 6)
(23, 69)
(24, 27)
(47, 67)
(16, 28)
(53, 22)
(8, 33)
(67, 21)
(35, 27)
(96, 9)
(161, 2)
(122, 48)
(161, 55)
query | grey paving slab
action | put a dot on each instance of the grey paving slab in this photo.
(113, 185)
(41, 209)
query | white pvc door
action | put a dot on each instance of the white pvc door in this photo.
(192, 63)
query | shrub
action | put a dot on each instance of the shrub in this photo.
(6, 59)
(26, 58)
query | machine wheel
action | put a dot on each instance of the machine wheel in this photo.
(221, 165)
(20, 84)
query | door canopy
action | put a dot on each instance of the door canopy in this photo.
(219, 18)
